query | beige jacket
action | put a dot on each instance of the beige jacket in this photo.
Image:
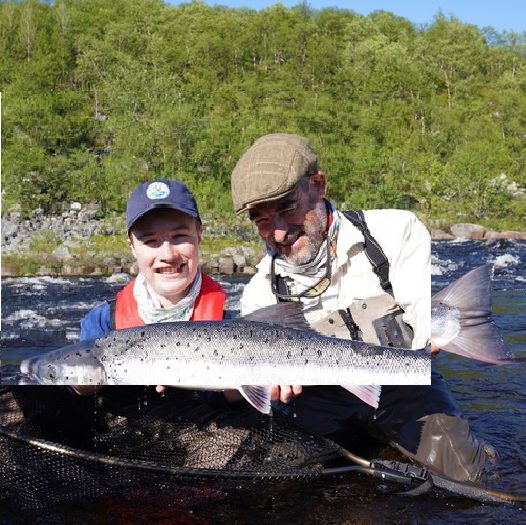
(406, 244)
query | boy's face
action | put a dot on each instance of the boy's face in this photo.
(165, 243)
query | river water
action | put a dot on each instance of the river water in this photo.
(43, 313)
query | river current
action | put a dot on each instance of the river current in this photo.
(43, 313)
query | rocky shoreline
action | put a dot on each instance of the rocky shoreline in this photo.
(63, 244)
(474, 232)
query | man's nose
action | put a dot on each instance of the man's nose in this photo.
(280, 228)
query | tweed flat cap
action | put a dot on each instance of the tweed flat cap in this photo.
(270, 168)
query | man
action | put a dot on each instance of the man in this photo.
(365, 276)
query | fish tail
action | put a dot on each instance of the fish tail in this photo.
(478, 337)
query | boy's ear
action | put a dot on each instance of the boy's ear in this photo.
(130, 245)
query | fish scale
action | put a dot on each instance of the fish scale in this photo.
(223, 352)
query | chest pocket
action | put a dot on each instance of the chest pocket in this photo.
(379, 320)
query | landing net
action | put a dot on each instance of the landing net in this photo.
(58, 447)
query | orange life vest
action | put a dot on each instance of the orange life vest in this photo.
(208, 306)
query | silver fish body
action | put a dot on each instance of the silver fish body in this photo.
(225, 353)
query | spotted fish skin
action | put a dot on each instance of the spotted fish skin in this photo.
(225, 353)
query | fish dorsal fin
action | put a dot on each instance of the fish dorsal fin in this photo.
(469, 294)
(288, 315)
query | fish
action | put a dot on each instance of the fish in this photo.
(274, 345)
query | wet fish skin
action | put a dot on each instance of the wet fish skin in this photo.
(219, 354)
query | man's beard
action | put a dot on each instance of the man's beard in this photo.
(314, 235)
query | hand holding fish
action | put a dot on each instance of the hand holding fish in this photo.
(284, 393)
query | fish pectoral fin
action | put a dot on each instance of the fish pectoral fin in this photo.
(369, 394)
(257, 396)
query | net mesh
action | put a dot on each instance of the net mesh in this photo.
(58, 447)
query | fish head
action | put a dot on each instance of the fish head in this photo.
(72, 365)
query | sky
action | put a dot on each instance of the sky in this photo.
(502, 15)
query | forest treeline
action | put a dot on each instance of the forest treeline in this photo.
(99, 95)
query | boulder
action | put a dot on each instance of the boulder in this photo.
(468, 231)
(226, 265)
(87, 215)
(62, 253)
(441, 235)
(515, 235)
(239, 260)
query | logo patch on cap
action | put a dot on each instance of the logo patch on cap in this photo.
(157, 190)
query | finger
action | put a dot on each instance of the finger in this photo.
(297, 390)
(274, 392)
(160, 389)
(285, 393)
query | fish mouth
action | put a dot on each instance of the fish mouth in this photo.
(26, 366)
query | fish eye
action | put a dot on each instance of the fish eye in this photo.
(51, 373)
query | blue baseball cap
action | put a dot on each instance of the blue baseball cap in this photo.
(171, 194)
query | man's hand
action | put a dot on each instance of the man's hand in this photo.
(434, 349)
(284, 392)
